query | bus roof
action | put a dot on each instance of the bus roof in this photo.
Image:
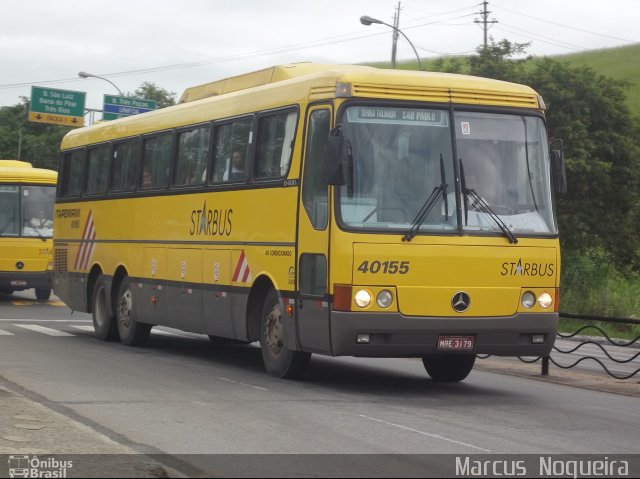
(16, 171)
(290, 84)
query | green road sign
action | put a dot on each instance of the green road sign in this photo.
(120, 106)
(60, 107)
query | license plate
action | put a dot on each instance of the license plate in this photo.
(18, 283)
(456, 343)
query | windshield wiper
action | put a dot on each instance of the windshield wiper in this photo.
(37, 230)
(480, 202)
(429, 204)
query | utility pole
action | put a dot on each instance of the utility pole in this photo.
(485, 21)
(394, 43)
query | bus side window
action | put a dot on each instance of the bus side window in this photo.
(156, 161)
(274, 145)
(125, 165)
(98, 170)
(193, 154)
(72, 173)
(232, 150)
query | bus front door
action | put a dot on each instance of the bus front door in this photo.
(313, 237)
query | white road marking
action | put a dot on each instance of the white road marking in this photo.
(241, 384)
(424, 433)
(5, 333)
(83, 327)
(43, 330)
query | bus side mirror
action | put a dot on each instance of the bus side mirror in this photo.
(558, 172)
(336, 171)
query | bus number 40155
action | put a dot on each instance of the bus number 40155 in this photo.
(386, 267)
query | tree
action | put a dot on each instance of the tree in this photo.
(150, 91)
(602, 147)
(601, 144)
(37, 143)
(494, 61)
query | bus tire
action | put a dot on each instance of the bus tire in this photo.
(132, 332)
(279, 361)
(43, 294)
(104, 324)
(448, 368)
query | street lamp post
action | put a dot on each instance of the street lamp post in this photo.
(91, 75)
(367, 20)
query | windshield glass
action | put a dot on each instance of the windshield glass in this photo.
(26, 210)
(505, 164)
(398, 157)
(400, 172)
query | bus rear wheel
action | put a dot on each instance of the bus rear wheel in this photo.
(104, 324)
(449, 368)
(280, 361)
(43, 294)
(132, 332)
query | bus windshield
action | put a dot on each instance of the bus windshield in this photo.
(401, 172)
(26, 210)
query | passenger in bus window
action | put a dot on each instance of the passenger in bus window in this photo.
(146, 178)
(238, 171)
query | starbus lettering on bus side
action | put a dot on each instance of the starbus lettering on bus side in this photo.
(211, 222)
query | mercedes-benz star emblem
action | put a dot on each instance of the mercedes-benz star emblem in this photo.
(460, 302)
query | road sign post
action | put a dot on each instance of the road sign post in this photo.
(121, 106)
(58, 107)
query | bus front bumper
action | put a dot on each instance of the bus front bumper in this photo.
(395, 335)
(19, 281)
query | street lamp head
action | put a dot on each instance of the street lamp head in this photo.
(367, 20)
(84, 75)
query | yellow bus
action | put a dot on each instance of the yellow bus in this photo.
(27, 196)
(337, 210)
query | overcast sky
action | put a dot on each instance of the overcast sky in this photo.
(182, 43)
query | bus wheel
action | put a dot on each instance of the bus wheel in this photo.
(279, 361)
(449, 368)
(104, 324)
(43, 294)
(132, 333)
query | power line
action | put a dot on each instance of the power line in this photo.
(565, 26)
(223, 59)
(541, 38)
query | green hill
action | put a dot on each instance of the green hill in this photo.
(622, 63)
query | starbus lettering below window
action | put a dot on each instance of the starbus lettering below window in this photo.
(233, 148)
(98, 170)
(156, 162)
(72, 173)
(193, 154)
(275, 143)
(125, 164)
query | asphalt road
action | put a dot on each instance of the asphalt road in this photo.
(181, 395)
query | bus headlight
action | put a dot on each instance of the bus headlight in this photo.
(384, 299)
(545, 300)
(362, 298)
(528, 300)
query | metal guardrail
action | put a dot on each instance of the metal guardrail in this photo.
(547, 360)
(619, 343)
